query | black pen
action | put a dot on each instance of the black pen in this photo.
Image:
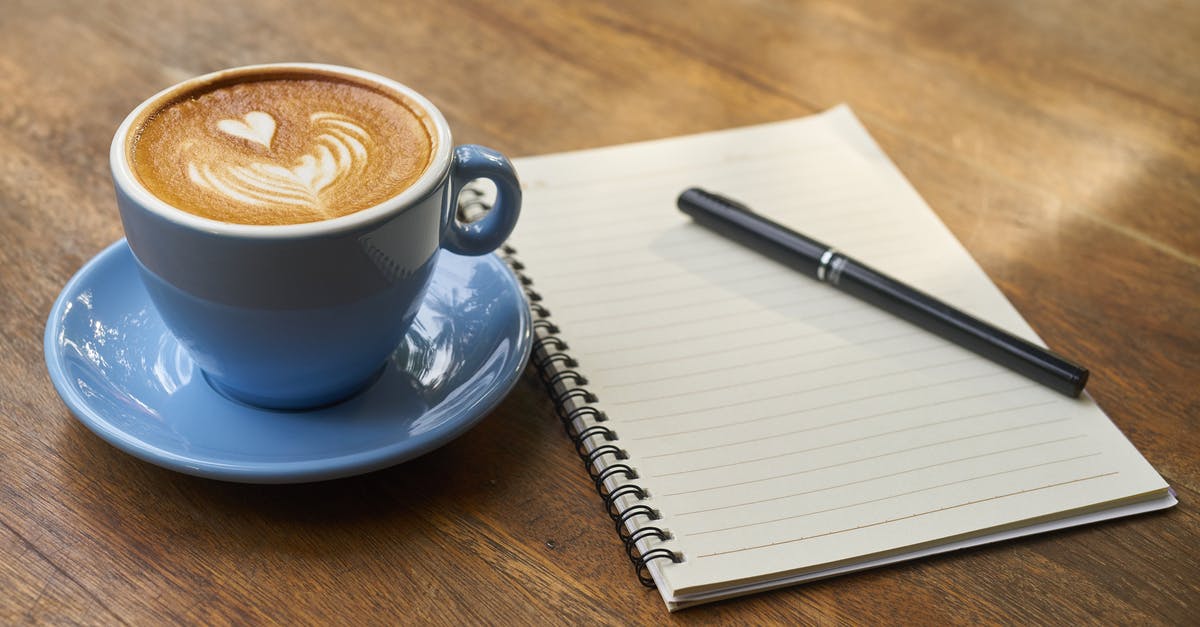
(739, 223)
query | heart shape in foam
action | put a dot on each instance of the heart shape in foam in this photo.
(255, 126)
(338, 154)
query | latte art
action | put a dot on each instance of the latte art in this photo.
(281, 150)
(339, 154)
(255, 126)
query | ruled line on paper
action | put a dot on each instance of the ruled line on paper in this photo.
(561, 208)
(782, 307)
(871, 458)
(891, 473)
(627, 331)
(787, 394)
(835, 186)
(862, 215)
(748, 166)
(855, 440)
(848, 462)
(901, 370)
(807, 354)
(725, 350)
(897, 495)
(786, 305)
(881, 320)
(578, 254)
(702, 280)
(812, 408)
(708, 300)
(617, 245)
(916, 515)
(702, 318)
(668, 270)
(831, 425)
(567, 202)
(626, 287)
(741, 259)
(856, 225)
(875, 376)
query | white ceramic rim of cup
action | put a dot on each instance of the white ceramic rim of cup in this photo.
(425, 184)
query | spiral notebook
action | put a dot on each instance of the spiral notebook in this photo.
(748, 427)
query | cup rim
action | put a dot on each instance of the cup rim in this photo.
(429, 180)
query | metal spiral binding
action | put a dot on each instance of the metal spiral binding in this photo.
(640, 562)
(597, 445)
(582, 437)
(628, 489)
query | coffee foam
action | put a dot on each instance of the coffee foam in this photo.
(281, 149)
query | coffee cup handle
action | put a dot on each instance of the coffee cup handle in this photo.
(489, 232)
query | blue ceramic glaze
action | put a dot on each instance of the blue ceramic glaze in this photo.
(128, 379)
(302, 315)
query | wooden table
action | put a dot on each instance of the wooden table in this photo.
(1059, 140)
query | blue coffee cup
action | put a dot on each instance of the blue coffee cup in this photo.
(301, 315)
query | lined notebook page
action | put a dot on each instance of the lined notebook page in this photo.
(779, 425)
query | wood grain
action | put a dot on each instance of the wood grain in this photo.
(1059, 140)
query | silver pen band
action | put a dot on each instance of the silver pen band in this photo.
(823, 269)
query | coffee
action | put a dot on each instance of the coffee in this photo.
(280, 147)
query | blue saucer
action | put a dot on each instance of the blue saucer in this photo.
(127, 379)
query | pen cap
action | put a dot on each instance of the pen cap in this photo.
(738, 222)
